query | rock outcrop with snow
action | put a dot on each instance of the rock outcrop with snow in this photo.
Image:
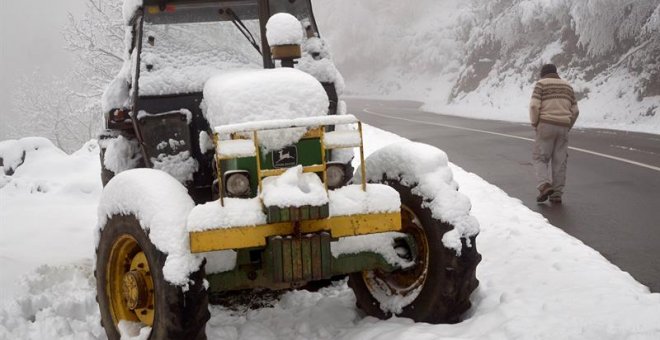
(481, 58)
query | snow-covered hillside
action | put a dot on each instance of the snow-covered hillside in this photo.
(536, 282)
(481, 58)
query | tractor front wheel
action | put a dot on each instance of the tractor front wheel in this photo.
(437, 288)
(131, 288)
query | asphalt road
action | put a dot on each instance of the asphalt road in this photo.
(612, 194)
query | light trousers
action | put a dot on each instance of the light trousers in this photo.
(550, 155)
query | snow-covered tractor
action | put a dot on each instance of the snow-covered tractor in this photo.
(227, 168)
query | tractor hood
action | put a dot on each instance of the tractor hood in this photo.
(241, 96)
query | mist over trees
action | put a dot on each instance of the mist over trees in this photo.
(590, 38)
(67, 110)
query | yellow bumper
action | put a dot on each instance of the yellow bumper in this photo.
(255, 236)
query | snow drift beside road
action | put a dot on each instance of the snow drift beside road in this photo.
(536, 282)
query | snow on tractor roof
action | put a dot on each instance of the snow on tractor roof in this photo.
(243, 96)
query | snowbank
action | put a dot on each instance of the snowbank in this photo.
(59, 303)
(13, 152)
(47, 206)
(536, 282)
(12, 155)
(256, 95)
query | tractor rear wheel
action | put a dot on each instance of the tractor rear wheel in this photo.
(131, 288)
(437, 288)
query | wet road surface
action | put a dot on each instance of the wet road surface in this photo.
(612, 194)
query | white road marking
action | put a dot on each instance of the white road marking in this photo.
(624, 160)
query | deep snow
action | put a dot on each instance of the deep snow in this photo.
(536, 282)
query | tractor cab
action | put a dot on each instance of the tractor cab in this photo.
(175, 47)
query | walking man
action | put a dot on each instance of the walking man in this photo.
(553, 111)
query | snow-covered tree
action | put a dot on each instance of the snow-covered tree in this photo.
(68, 110)
(50, 108)
(97, 40)
(586, 37)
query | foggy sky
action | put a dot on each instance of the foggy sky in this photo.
(31, 41)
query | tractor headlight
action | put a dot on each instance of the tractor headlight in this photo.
(237, 183)
(335, 174)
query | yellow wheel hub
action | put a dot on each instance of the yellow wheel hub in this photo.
(130, 287)
(404, 282)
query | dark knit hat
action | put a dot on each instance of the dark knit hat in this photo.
(547, 69)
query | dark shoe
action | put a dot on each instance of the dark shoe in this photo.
(544, 192)
(555, 199)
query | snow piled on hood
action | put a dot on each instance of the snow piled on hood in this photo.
(255, 95)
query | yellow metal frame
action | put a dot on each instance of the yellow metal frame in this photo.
(316, 132)
(255, 236)
(277, 172)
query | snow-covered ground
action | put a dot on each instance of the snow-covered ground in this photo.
(536, 282)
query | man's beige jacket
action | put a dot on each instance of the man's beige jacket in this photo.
(553, 102)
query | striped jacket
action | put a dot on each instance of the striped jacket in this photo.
(553, 102)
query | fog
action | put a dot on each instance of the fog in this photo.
(31, 41)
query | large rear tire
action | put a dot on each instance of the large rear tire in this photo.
(437, 288)
(130, 286)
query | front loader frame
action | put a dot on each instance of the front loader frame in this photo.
(296, 249)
